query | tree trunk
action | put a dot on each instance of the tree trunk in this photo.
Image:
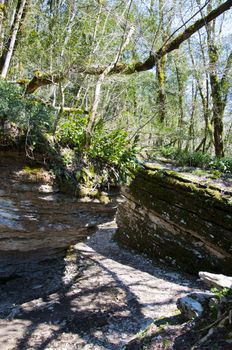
(218, 112)
(2, 17)
(161, 98)
(191, 123)
(102, 77)
(160, 68)
(12, 40)
(216, 89)
(180, 84)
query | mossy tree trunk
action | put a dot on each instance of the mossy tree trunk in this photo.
(204, 96)
(219, 87)
(218, 112)
(180, 87)
(219, 91)
(160, 69)
(191, 129)
(161, 98)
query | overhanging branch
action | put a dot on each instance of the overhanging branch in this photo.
(42, 79)
(148, 64)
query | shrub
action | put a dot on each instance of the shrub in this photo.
(71, 131)
(107, 148)
(114, 148)
(198, 159)
(222, 164)
(25, 115)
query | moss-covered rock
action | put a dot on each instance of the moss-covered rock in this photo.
(178, 217)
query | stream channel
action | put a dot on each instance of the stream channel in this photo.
(64, 282)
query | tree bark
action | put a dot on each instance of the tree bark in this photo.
(160, 70)
(191, 123)
(12, 40)
(204, 96)
(180, 85)
(219, 88)
(2, 17)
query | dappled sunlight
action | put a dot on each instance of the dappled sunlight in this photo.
(102, 304)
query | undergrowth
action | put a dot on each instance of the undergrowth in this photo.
(28, 124)
(198, 159)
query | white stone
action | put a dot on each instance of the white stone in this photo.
(215, 280)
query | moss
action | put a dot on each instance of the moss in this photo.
(70, 252)
(23, 81)
(153, 166)
(215, 174)
(32, 170)
(200, 172)
(2, 7)
(130, 68)
(84, 191)
(183, 182)
(104, 199)
(215, 194)
(40, 74)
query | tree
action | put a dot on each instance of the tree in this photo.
(154, 57)
(219, 86)
(86, 56)
(11, 42)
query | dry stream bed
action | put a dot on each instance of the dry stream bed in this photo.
(93, 295)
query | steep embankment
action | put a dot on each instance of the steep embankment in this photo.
(179, 217)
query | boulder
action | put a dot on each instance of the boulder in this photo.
(194, 304)
(215, 280)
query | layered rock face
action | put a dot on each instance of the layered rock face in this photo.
(178, 217)
(37, 223)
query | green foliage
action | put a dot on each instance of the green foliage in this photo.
(194, 159)
(115, 149)
(222, 164)
(11, 103)
(222, 292)
(107, 148)
(198, 159)
(26, 114)
(112, 146)
(71, 131)
(31, 170)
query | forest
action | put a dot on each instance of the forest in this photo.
(115, 174)
(114, 80)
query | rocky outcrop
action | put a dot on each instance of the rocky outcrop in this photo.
(179, 217)
(37, 223)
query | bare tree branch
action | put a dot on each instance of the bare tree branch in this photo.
(148, 64)
(151, 61)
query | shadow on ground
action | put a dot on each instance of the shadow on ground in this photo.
(99, 297)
